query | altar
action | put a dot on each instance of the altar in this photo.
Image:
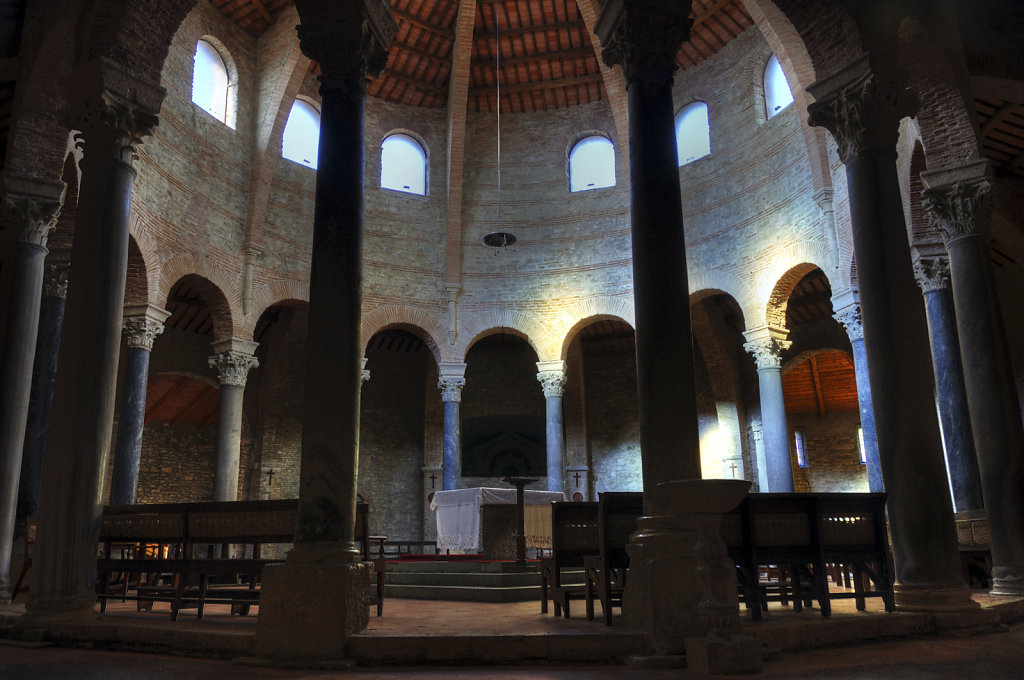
(480, 519)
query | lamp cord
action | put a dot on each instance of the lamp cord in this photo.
(497, 77)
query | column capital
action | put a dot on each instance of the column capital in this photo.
(643, 36)
(824, 198)
(349, 40)
(931, 273)
(55, 280)
(955, 199)
(32, 206)
(233, 359)
(364, 372)
(551, 376)
(451, 387)
(106, 98)
(860, 110)
(142, 323)
(849, 318)
(767, 344)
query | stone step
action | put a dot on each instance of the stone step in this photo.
(484, 580)
(462, 593)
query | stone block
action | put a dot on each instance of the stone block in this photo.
(310, 610)
(735, 656)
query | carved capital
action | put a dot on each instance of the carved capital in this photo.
(932, 273)
(32, 206)
(956, 210)
(767, 351)
(55, 280)
(851, 321)
(233, 360)
(142, 323)
(451, 387)
(643, 36)
(364, 372)
(348, 40)
(551, 376)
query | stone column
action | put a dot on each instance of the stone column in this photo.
(142, 323)
(862, 111)
(955, 200)
(113, 109)
(766, 345)
(551, 375)
(312, 603)
(44, 373)
(932, 274)
(849, 317)
(33, 207)
(233, 358)
(451, 380)
(643, 38)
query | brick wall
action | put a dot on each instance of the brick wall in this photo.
(832, 453)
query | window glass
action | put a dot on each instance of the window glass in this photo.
(801, 448)
(693, 134)
(592, 164)
(403, 165)
(210, 81)
(777, 95)
(301, 138)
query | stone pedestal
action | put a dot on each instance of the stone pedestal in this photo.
(309, 610)
(681, 583)
(551, 375)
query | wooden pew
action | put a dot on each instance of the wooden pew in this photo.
(181, 542)
(605, 572)
(853, 532)
(574, 533)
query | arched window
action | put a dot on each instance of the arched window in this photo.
(210, 81)
(777, 95)
(301, 138)
(592, 164)
(403, 165)
(693, 134)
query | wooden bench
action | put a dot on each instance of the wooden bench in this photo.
(177, 552)
(574, 535)
(605, 573)
(975, 552)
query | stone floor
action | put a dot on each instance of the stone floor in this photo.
(849, 644)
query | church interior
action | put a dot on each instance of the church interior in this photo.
(369, 251)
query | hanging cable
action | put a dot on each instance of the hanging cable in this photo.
(497, 78)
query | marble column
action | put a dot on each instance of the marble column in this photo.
(142, 324)
(956, 201)
(312, 603)
(862, 110)
(33, 207)
(643, 39)
(44, 373)
(451, 380)
(849, 317)
(551, 375)
(233, 358)
(766, 345)
(932, 274)
(113, 108)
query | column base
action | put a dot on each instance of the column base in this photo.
(736, 655)
(1007, 581)
(72, 609)
(933, 599)
(309, 610)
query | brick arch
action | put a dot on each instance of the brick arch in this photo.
(714, 281)
(136, 290)
(135, 33)
(58, 243)
(496, 321)
(571, 320)
(705, 293)
(266, 295)
(762, 306)
(220, 304)
(426, 325)
(142, 236)
(775, 311)
(945, 118)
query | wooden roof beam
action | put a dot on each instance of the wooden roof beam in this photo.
(540, 56)
(543, 85)
(446, 33)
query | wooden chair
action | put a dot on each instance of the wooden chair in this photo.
(574, 534)
(605, 573)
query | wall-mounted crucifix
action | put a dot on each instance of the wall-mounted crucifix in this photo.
(433, 479)
(576, 476)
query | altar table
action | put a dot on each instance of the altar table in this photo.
(458, 515)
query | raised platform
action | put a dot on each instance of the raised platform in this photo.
(463, 581)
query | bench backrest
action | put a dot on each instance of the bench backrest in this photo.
(574, 532)
(617, 515)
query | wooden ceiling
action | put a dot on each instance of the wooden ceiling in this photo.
(1002, 134)
(188, 309)
(810, 300)
(180, 400)
(823, 384)
(548, 60)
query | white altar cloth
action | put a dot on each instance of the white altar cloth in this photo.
(458, 515)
